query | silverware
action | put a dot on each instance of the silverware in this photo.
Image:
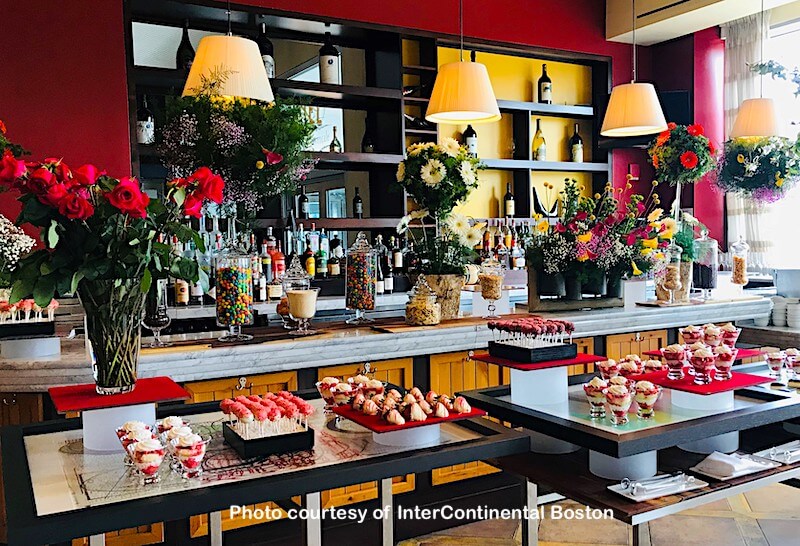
(626, 483)
(789, 455)
(681, 479)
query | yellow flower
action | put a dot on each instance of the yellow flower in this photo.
(666, 234)
(650, 243)
(543, 226)
(740, 158)
(655, 215)
(635, 269)
(585, 238)
(646, 251)
(659, 255)
(259, 165)
(779, 182)
(670, 224)
(597, 196)
(537, 216)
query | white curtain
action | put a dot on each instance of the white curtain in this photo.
(743, 46)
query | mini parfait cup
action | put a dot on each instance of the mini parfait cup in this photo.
(596, 395)
(776, 361)
(703, 361)
(189, 452)
(730, 335)
(793, 361)
(646, 395)
(691, 334)
(619, 401)
(608, 368)
(726, 356)
(147, 457)
(675, 358)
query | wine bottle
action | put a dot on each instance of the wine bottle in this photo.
(397, 256)
(539, 144)
(576, 146)
(302, 204)
(388, 278)
(413, 122)
(367, 146)
(509, 201)
(380, 285)
(267, 51)
(358, 205)
(471, 141)
(145, 124)
(545, 87)
(415, 90)
(329, 61)
(335, 146)
(185, 54)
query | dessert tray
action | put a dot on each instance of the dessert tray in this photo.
(737, 381)
(377, 424)
(532, 339)
(751, 464)
(660, 486)
(787, 453)
(742, 354)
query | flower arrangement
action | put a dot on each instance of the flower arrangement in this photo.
(97, 227)
(762, 169)
(438, 176)
(258, 149)
(682, 154)
(447, 252)
(14, 244)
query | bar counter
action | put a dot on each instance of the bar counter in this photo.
(200, 361)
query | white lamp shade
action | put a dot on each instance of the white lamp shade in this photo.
(756, 118)
(240, 59)
(633, 110)
(462, 94)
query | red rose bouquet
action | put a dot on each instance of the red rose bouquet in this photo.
(682, 154)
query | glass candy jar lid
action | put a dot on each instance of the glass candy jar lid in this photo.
(360, 245)
(740, 247)
(491, 266)
(706, 248)
(421, 290)
(296, 276)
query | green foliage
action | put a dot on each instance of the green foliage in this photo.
(778, 71)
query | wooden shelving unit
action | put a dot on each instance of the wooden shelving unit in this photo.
(554, 110)
(551, 166)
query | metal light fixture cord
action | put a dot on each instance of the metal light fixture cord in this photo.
(228, 12)
(461, 29)
(633, 39)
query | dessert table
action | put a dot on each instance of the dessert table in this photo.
(55, 492)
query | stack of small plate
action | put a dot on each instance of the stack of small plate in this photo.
(779, 311)
(792, 313)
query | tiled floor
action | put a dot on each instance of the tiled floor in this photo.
(766, 517)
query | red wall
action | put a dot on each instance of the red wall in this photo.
(63, 89)
(709, 57)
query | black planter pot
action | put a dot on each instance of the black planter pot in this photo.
(614, 287)
(595, 285)
(572, 286)
(550, 284)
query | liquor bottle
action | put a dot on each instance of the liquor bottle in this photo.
(266, 262)
(299, 241)
(509, 201)
(508, 235)
(397, 257)
(321, 265)
(380, 249)
(539, 144)
(576, 146)
(336, 244)
(185, 55)
(329, 61)
(471, 141)
(324, 243)
(266, 50)
(278, 263)
(145, 124)
(196, 289)
(545, 87)
(380, 285)
(335, 147)
(206, 261)
(302, 202)
(367, 146)
(313, 237)
(334, 266)
(274, 290)
(263, 294)
(501, 251)
(309, 261)
(181, 286)
(271, 242)
(517, 256)
(255, 263)
(388, 279)
(488, 243)
(358, 205)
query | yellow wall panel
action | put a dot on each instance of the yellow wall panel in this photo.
(484, 201)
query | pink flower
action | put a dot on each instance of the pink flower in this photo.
(271, 158)
(87, 175)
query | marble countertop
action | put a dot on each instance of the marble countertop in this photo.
(356, 345)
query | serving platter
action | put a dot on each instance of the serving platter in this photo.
(378, 425)
(737, 381)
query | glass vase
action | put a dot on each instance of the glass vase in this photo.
(114, 311)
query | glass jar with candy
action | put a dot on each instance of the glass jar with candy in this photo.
(360, 279)
(234, 287)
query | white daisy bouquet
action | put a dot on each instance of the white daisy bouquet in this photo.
(438, 176)
(448, 250)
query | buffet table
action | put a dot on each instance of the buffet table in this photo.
(201, 360)
(55, 492)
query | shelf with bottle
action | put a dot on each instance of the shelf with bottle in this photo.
(354, 160)
(553, 166)
(419, 69)
(342, 224)
(544, 109)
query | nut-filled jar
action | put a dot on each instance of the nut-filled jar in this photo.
(360, 279)
(422, 308)
(739, 250)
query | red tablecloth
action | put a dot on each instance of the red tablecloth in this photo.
(580, 359)
(376, 424)
(737, 381)
(85, 397)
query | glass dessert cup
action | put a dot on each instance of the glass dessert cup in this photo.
(675, 363)
(155, 312)
(618, 405)
(324, 389)
(730, 338)
(608, 369)
(646, 398)
(690, 336)
(169, 423)
(147, 461)
(302, 308)
(597, 400)
(189, 458)
(703, 366)
(724, 364)
(776, 361)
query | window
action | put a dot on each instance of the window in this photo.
(313, 204)
(327, 118)
(336, 205)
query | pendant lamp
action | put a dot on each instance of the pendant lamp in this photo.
(240, 60)
(756, 117)
(633, 108)
(462, 92)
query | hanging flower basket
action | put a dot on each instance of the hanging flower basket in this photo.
(762, 169)
(682, 154)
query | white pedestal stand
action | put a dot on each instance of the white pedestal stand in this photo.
(548, 387)
(726, 443)
(635, 467)
(99, 426)
(416, 436)
(30, 348)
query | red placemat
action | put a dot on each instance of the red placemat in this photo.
(376, 424)
(85, 397)
(743, 353)
(580, 359)
(738, 380)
